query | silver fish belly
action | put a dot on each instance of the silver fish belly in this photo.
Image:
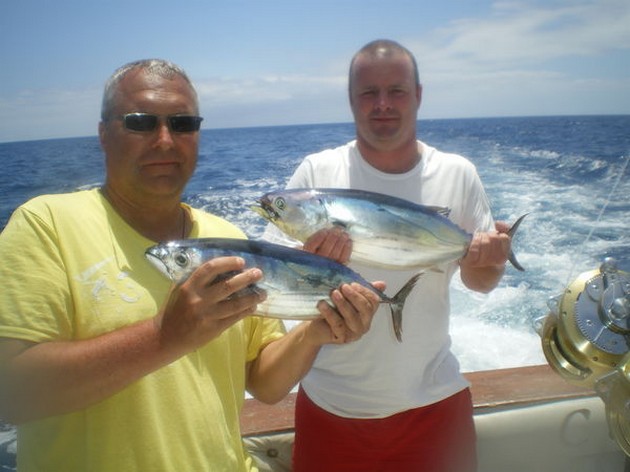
(294, 280)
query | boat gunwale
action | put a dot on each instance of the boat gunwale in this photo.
(491, 390)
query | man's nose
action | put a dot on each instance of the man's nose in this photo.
(164, 137)
(382, 100)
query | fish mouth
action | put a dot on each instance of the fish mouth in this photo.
(155, 255)
(265, 209)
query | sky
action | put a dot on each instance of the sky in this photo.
(283, 62)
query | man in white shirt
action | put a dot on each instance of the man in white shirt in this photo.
(377, 404)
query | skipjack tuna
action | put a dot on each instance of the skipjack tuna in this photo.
(386, 232)
(294, 280)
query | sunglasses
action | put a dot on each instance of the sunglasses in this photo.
(146, 122)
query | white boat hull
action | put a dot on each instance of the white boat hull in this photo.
(527, 419)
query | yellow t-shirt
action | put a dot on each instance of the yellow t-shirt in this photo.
(73, 269)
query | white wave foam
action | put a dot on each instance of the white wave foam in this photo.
(481, 345)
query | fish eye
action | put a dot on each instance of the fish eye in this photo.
(280, 203)
(181, 259)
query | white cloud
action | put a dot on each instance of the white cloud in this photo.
(273, 100)
(527, 59)
(518, 34)
(220, 91)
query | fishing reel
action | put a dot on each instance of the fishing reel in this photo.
(586, 339)
(587, 332)
(614, 389)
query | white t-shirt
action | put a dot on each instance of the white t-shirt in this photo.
(377, 376)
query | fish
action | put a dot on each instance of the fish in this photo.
(294, 280)
(386, 232)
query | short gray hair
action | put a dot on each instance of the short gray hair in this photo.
(159, 67)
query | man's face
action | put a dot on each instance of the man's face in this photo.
(149, 164)
(384, 99)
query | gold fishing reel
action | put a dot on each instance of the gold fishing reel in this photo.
(614, 389)
(587, 332)
(586, 339)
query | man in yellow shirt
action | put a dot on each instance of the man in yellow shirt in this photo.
(106, 367)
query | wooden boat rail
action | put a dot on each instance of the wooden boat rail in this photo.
(492, 389)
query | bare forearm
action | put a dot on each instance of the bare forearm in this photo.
(281, 365)
(60, 377)
(284, 362)
(482, 279)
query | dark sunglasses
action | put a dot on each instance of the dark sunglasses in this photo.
(146, 122)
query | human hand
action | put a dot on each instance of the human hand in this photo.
(502, 226)
(489, 249)
(202, 307)
(349, 319)
(333, 243)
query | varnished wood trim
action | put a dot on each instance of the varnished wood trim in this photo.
(490, 389)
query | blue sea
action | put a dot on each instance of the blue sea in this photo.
(570, 173)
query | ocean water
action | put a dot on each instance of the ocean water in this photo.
(571, 175)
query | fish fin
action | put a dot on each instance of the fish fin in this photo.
(511, 232)
(444, 211)
(397, 304)
(440, 210)
(305, 276)
(516, 224)
(433, 211)
(340, 224)
(397, 322)
(514, 262)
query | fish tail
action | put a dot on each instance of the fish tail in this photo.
(397, 303)
(511, 232)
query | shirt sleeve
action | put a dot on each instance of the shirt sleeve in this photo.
(262, 332)
(303, 175)
(475, 213)
(483, 220)
(35, 300)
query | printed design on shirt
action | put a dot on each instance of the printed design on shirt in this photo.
(131, 293)
(108, 290)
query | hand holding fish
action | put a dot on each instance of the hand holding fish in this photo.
(202, 307)
(284, 362)
(502, 226)
(484, 263)
(352, 317)
(334, 243)
(487, 249)
(356, 305)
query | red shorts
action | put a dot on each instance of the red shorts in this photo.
(435, 438)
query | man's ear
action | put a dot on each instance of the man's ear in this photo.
(102, 130)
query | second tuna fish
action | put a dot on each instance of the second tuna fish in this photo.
(294, 280)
